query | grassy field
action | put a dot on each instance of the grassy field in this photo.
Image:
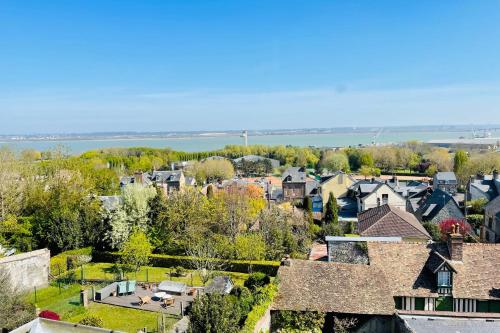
(123, 319)
(66, 302)
(104, 271)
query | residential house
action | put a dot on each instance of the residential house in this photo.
(110, 202)
(138, 178)
(400, 277)
(296, 185)
(174, 180)
(490, 231)
(372, 193)
(338, 184)
(445, 181)
(414, 201)
(484, 187)
(388, 221)
(437, 207)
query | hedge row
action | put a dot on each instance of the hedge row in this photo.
(260, 309)
(163, 260)
(59, 263)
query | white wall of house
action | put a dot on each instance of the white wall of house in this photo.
(384, 194)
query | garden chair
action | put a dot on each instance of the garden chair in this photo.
(169, 302)
(121, 287)
(131, 287)
(144, 300)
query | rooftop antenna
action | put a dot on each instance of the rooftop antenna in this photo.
(244, 135)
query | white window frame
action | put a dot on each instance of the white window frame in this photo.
(444, 279)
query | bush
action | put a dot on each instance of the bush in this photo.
(257, 280)
(260, 308)
(47, 314)
(475, 220)
(59, 263)
(433, 230)
(164, 260)
(180, 271)
(91, 320)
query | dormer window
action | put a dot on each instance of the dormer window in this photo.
(444, 279)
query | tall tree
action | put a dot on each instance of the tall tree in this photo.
(136, 250)
(331, 210)
(459, 160)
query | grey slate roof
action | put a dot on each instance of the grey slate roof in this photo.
(447, 176)
(166, 176)
(485, 187)
(294, 175)
(110, 202)
(437, 207)
(431, 324)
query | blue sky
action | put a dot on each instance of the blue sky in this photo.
(84, 66)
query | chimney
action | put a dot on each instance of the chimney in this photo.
(455, 243)
(396, 181)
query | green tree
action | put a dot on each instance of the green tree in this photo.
(459, 160)
(250, 247)
(331, 210)
(298, 322)
(214, 313)
(433, 230)
(136, 251)
(335, 162)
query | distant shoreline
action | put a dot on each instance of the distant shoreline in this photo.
(183, 135)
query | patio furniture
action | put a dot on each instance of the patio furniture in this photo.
(168, 302)
(131, 287)
(160, 295)
(192, 292)
(121, 287)
(172, 287)
(144, 300)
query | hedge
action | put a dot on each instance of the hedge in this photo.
(164, 260)
(59, 263)
(259, 310)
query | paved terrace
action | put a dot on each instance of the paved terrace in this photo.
(132, 301)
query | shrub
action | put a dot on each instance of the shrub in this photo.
(59, 263)
(47, 314)
(91, 320)
(259, 309)
(257, 280)
(180, 271)
(433, 230)
(164, 260)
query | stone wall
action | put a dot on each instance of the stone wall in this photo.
(27, 270)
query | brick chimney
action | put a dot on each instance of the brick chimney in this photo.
(455, 243)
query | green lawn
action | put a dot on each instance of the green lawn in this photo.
(124, 319)
(66, 303)
(98, 271)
